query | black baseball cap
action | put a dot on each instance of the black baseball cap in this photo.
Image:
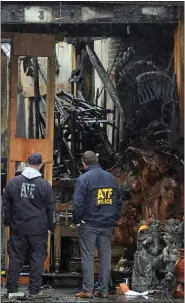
(35, 159)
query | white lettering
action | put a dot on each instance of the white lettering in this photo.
(27, 190)
(23, 191)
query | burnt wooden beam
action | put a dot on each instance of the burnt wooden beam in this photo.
(36, 94)
(75, 32)
(179, 68)
(8, 35)
(88, 13)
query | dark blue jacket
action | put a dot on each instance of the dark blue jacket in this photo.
(29, 204)
(96, 199)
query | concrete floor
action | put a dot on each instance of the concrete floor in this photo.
(66, 295)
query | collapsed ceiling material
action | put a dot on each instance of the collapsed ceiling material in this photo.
(79, 126)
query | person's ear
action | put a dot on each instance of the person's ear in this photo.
(97, 155)
(84, 165)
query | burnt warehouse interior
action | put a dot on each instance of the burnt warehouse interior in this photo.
(106, 77)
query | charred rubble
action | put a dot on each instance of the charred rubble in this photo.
(150, 156)
(79, 124)
(151, 159)
(151, 164)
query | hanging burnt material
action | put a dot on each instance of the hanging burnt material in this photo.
(76, 74)
(155, 85)
(105, 80)
(148, 97)
(28, 66)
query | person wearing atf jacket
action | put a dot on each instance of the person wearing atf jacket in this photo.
(96, 207)
(29, 211)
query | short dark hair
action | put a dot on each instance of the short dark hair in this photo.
(89, 158)
(35, 159)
